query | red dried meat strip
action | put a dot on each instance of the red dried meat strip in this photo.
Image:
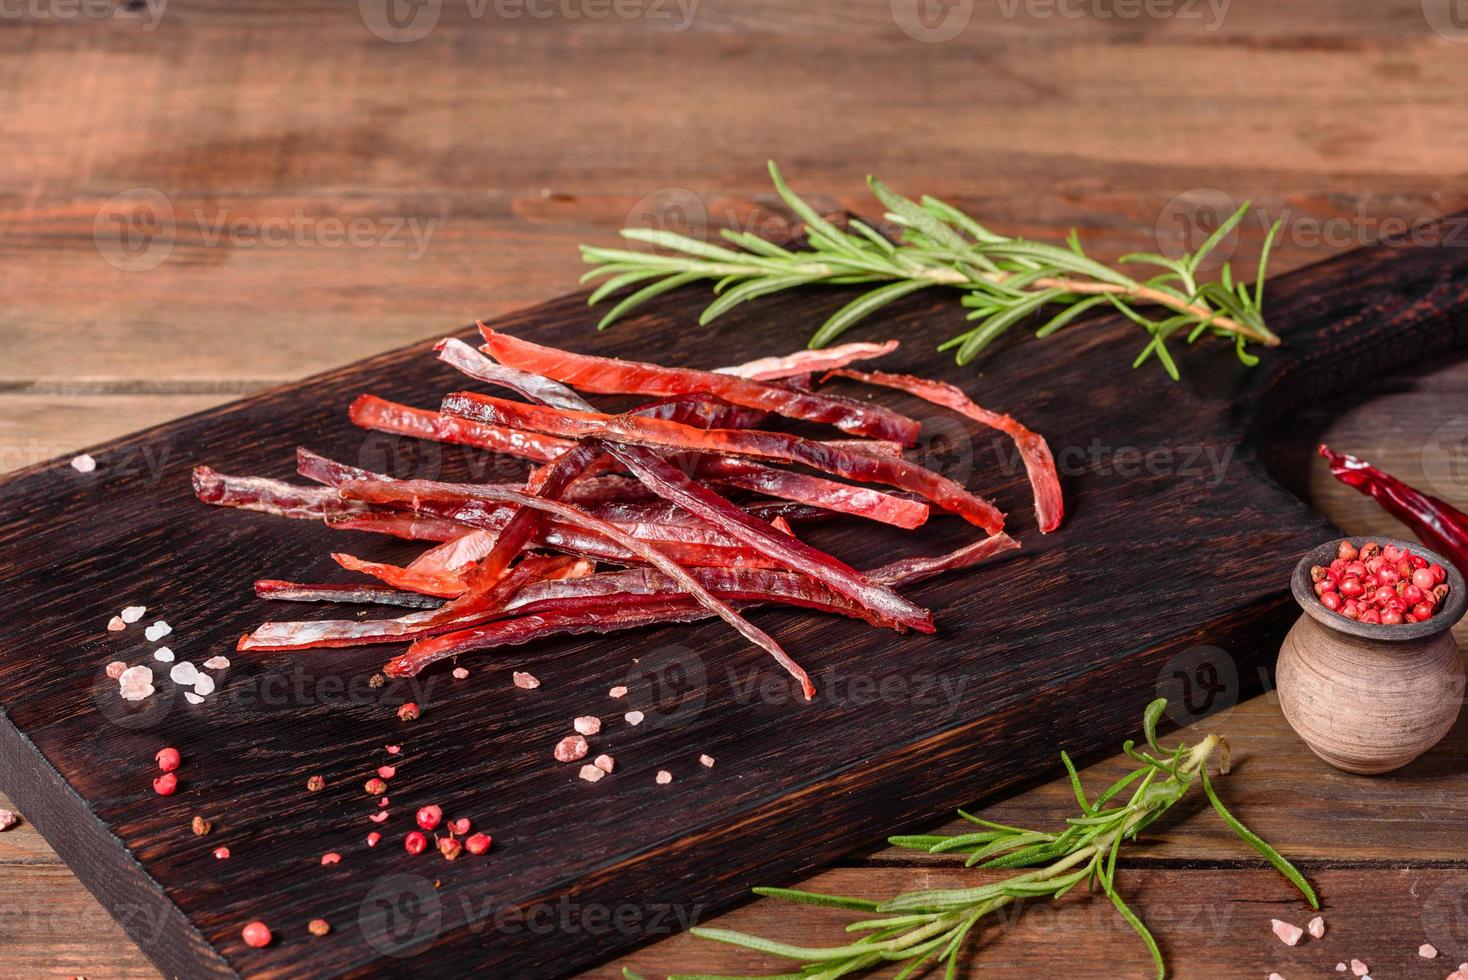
(626, 600)
(371, 412)
(313, 634)
(614, 377)
(1039, 464)
(379, 595)
(816, 491)
(258, 493)
(380, 492)
(806, 362)
(779, 446)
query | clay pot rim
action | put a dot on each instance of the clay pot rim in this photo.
(1304, 591)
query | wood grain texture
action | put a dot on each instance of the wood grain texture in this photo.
(966, 704)
(1335, 116)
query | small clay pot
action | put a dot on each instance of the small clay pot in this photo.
(1369, 698)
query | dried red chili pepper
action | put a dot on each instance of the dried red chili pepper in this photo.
(1439, 524)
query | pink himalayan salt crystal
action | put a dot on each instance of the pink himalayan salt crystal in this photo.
(1275, 976)
(393, 749)
(571, 748)
(591, 773)
(131, 614)
(664, 777)
(1288, 934)
(461, 673)
(617, 692)
(387, 772)
(116, 625)
(1359, 968)
(378, 817)
(115, 669)
(1461, 973)
(707, 761)
(136, 683)
(526, 681)
(7, 819)
(604, 762)
(1427, 951)
(1340, 968)
(1316, 927)
(587, 724)
(216, 663)
(83, 463)
(634, 717)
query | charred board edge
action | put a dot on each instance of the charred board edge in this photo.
(102, 861)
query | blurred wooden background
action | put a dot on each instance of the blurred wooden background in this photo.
(204, 199)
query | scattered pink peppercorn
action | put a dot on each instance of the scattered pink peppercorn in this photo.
(460, 826)
(166, 784)
(318, 927)
(415, 843)
(168, 759)
(477, 843)
(450, 848)
(409, 712)
(429, 816)
(316, 784)
(375, 787)
(387, 772)
(256, 934)
(221, 853)
(330, 858)
(373, 838)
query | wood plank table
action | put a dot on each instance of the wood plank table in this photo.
(204, 200)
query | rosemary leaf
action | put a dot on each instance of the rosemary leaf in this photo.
(1005, 280)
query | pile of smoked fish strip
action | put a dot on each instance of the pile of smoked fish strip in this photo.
(683, 508)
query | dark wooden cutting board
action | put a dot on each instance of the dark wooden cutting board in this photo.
(1169, 575)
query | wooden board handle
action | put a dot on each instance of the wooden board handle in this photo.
(1370, 311)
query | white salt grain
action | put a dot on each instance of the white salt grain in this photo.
(1427, 951)
(136, 683)
(83, 463)
(633, 717)
(706, 761)
(1275, 976)
(1359, 968)
(526, 681)
(204, 686)
(1316, 927)
(1288, 934)
(1340, 968)
(193, 698)
(460, 673)
(157, 631)
(617, 692)
(587, 724)
(571, 748)
(664, 777)
(184, 673)
(163, 655)
(216, 663)
(604, 762)
(131, 614)
(591, 773)
(7, 819)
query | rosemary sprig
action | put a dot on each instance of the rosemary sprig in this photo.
(1005, 280)
(925, 927)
